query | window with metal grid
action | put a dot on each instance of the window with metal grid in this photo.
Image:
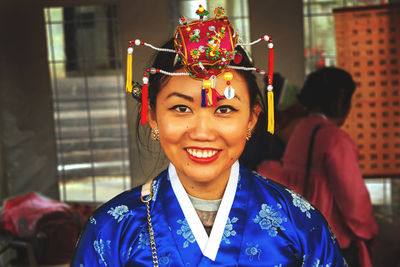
(89, 102)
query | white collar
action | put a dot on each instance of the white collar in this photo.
(209, 245)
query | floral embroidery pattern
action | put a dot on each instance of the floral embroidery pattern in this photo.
(333, 236)
(253, 251)
(154, 189)
(300, 202)
(229, 230)
(186, 233)
(239, 184)
(270, 219)
(304, 260)
(118, 212)
(92, 220)
(99, 247)
(144, 240)
(165, 260)
(126, 254)
(316, 264)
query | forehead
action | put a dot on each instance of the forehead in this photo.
(186, 84)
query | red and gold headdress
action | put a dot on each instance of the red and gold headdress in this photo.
(205, 49)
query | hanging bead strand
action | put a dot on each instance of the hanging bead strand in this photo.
(138, 42)
(270, 94)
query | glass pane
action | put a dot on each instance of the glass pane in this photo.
(380, 191)
(319, 38)
(238, 8)
(89, 102)
(323, 7)
(364, 2)
(108, 188)
(70, 88)
(188, 9)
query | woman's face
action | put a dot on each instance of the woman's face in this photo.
(202, 142)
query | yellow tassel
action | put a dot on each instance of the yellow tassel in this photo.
(129, 72)
(271, 118)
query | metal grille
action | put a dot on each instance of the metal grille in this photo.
(368, 47)
(89, 102)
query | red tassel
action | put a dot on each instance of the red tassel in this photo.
(214, 97)
(143, 113)
(270, 64)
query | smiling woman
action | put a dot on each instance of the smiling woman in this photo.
(205, 209)
(203, 143)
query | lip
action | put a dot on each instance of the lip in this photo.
(203, 160)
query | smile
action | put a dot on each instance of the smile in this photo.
(202, 155)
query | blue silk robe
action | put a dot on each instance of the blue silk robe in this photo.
(267, 225)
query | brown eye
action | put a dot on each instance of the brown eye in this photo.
(225, 109)
(181, 109)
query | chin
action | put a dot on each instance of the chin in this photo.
(204, 173)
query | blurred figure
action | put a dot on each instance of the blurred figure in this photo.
(287, 112)
(320, 162)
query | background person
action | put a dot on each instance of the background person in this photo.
(321, 163)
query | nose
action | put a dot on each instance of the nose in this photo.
(202, 127)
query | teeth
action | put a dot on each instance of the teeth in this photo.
(201, 153)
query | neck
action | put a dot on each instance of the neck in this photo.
(209, 190)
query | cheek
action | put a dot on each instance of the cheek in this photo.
(171, 132)
(235, 133)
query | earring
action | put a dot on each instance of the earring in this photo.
(248, 134)
(155, 134)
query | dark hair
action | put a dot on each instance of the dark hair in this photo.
(330, 90)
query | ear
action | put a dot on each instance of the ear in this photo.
(255, 112)
(152, 118)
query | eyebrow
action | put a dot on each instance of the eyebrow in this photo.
(238, 98)
(186, 97)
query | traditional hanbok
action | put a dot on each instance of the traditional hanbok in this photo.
(259, 223)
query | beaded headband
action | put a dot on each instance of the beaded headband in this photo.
(204, 48)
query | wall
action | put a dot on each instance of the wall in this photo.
(3, 183)
(149, 22)
(28, 146)
(283, 20)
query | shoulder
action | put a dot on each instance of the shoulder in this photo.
(270, 188)
(280, 207)
(126, 206)
(273, 193)
(335, 138)
(113, 227)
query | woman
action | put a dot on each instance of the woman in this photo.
(204, 209)
(321, 163)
